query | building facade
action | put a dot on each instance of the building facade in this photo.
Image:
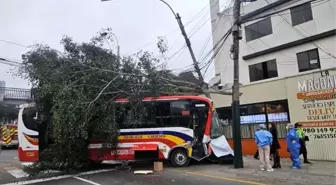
(287, 69)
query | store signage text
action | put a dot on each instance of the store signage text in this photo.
(320, 130)
(318, 98)
(327, 82)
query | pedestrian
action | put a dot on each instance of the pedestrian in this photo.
(275, 146)
(303, 138)
(293, 144)
(263, 139)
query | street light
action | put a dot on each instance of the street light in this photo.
(197, 69)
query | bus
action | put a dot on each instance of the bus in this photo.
(175, 128)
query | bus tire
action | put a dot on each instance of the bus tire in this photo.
(179, 158)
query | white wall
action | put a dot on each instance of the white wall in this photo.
(324, 19)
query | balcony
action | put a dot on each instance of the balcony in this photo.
(8, 93)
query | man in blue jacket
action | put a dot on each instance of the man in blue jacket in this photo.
(264, 139)
(293, 144)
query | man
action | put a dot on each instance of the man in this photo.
(293, 144)
(264, 139)
(303, 149)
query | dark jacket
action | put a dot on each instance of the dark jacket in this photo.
(275, 144)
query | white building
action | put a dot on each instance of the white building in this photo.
(287, 67)
(297, 38)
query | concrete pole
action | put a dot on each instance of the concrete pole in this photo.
(236, 34)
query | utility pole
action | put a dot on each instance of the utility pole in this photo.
(236, 34)
(197, 69)
(203, 85)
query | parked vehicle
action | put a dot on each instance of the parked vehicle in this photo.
(9, 135)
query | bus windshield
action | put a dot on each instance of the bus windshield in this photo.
(216, 127)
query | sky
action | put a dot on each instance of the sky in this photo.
(136, 24)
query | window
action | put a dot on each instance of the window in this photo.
(308, 60)
(263, 70)
(252, 109)
(301, 14)
(259, 29)
(180, 113)
(29, 118)
(277, 112)
(217, 129)
(163, 112)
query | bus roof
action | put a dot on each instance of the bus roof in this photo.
(180, 97)
(183, 97)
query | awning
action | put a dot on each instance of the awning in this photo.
(145, 147)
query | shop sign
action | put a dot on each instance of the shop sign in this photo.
(318, 98)
(317, 101)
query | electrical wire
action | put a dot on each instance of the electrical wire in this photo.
(277, 13)
(298, 31)
(214, 30)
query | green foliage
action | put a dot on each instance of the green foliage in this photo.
(78, 87)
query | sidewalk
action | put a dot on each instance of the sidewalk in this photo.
(317, 173)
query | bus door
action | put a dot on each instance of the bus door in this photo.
(199, 115)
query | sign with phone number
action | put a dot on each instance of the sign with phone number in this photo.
(321, 133)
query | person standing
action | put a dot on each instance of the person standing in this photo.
(293, 144)
(263, 139)
(275, 146)
(302, 138)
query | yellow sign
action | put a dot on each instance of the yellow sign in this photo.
(30, 154)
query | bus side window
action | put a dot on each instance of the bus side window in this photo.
(29, 118)
(180, 113)
(119, 115)
(163, 113)
(149, 120)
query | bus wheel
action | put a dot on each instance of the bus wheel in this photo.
(179, 158)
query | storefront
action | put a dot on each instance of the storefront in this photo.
(309, 99)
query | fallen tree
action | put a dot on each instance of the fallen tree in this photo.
(75, 90)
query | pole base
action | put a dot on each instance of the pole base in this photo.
(238, 154)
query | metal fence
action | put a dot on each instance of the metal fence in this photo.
(15, 93)
(248, 130)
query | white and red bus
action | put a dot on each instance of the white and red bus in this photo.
(176, 128)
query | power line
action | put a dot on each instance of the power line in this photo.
(214, 30)
(298, 31)
(187, 23)
(277, 13)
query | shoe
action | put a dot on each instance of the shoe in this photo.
(270, 170)
(307, 162)
(262, 169)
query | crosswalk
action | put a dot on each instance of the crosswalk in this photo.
(16, 172)
(19, 173)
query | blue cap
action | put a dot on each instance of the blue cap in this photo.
(262, 126)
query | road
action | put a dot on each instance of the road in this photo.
(8, 159)
(169, 176)
(8, 156)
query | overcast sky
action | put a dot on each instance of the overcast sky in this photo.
(136, 23)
